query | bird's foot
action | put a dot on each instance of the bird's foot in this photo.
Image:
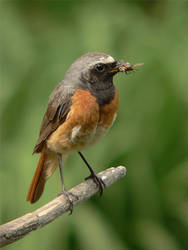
(67, 195)
(99, 182)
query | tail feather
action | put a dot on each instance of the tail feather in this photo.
(45, 168)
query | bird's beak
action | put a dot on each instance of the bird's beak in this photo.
(125, 67)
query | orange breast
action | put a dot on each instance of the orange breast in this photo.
(108, 112)
(79, 126)
(85, 123)
(107, 115)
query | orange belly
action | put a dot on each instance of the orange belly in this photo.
(85, 124)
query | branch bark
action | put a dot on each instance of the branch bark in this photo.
(18, 228)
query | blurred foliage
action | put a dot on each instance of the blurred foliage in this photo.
(148, 210)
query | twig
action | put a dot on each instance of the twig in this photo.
(18, 228)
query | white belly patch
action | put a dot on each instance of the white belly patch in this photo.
(87, 137)
(75, 132)
(82, 136)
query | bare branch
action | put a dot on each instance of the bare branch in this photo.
(18, 228)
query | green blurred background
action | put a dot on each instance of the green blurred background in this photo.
(147, 210)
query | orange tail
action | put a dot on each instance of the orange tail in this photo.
(45, 168)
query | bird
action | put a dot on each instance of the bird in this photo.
(81, 109)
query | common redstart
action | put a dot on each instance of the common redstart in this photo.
(80, 111)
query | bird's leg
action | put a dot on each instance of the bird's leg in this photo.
(100, 183)
(64, 191)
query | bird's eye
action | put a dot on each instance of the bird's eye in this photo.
(100, 67)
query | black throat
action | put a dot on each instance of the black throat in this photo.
(104, 96)
(103, 89)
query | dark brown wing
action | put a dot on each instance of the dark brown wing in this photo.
(58, 108)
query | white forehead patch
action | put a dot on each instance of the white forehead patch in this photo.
(102, 59)
(108, 59)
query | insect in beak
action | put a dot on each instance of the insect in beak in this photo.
(125, 67)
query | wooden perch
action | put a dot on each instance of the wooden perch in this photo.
(18, 228)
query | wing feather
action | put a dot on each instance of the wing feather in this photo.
(58, 108)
